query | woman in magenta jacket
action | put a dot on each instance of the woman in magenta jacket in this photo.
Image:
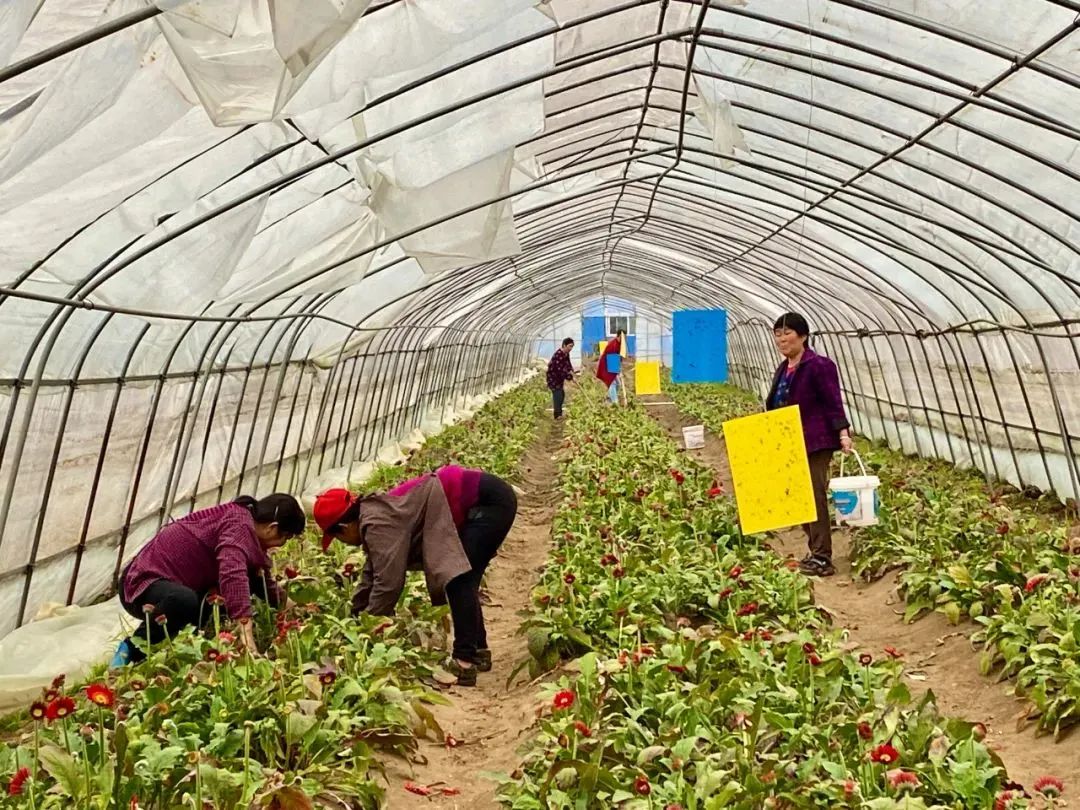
(812, 382)
(410, 529)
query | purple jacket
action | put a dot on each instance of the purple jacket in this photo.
(815, 388)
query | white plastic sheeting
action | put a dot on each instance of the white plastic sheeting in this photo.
(246, 244)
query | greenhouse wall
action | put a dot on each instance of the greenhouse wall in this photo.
(106, 462)
(1003, 403)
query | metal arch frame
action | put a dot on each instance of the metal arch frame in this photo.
(515, 310)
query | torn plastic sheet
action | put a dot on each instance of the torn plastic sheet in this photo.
(247, 59)
(480, 235)
(715, 115)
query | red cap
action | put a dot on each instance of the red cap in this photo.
(330, 508)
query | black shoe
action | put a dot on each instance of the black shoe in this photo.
(466, 676)
(817, 566)
(482, 659)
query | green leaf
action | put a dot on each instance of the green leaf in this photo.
(899, 695)
(297, 725)
(63, 768)
(952, 612)
(1039, 619)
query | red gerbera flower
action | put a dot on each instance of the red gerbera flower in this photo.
(37, 710)
(678, 476)
(892, 652)
(569, 578)
(212, 654)
(724, 594)
(618, 572)
(1034, 582)
(747, 609)
(161, 619)
(1005, 800)
(764, 635)
(1049, 786)
(808, 648)
(225, 637)
(60, 708)
(215, 598)
(735, 572)
(866, 731)
(15, 786)
(348, 569)
(101, 695)
(885, 754)
(866, 659)
(849, 788)
(582, 729)
(814, 659)
(902, 780)
(564, 699)
(58, 681)
(716, 492)
(608, 559)
(642, 786)
(791, 564)
(291, 573)
(678, 669)
(452, 741)
(50, 695)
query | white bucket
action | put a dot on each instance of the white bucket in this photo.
(855, 497)
(694, 437)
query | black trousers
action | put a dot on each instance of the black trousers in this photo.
(558, 397)
(819, 533)
(180, 605)
(485, 528)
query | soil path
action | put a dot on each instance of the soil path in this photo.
(491, 721)
(939, 656)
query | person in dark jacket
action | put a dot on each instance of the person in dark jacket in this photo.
(559, 372)
(450, 525)
(812, 382)
(223, 548)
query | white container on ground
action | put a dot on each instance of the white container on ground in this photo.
(694, 437)
(855, 497)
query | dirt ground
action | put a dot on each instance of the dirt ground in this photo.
(939, 656)
(490, 720)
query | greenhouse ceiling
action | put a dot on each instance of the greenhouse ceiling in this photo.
(210, 187)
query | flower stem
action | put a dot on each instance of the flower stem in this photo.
(247, 757)
(101, 737)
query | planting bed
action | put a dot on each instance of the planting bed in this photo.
(709, 677)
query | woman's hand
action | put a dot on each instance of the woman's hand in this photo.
(846, 444)
(247, 635)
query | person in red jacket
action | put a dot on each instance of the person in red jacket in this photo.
(450, 525)
(222, 548)
(611, 378)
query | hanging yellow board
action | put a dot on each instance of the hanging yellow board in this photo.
(622, 347)
(647, 377)
(601, 346)
(770, 470)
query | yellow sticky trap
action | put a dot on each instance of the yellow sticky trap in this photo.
(770, 470)
(647, 377)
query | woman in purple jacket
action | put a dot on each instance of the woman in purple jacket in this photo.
(223, 548)
(812, 382)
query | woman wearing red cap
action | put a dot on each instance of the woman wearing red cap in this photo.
(450, 525)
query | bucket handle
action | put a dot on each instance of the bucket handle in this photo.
(858, 458)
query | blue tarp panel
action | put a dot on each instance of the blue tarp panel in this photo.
(593, 330)
(631, 345)
(614, 363)
(700, 346)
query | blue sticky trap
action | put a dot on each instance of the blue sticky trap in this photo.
(700, 346)
(614, 363)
